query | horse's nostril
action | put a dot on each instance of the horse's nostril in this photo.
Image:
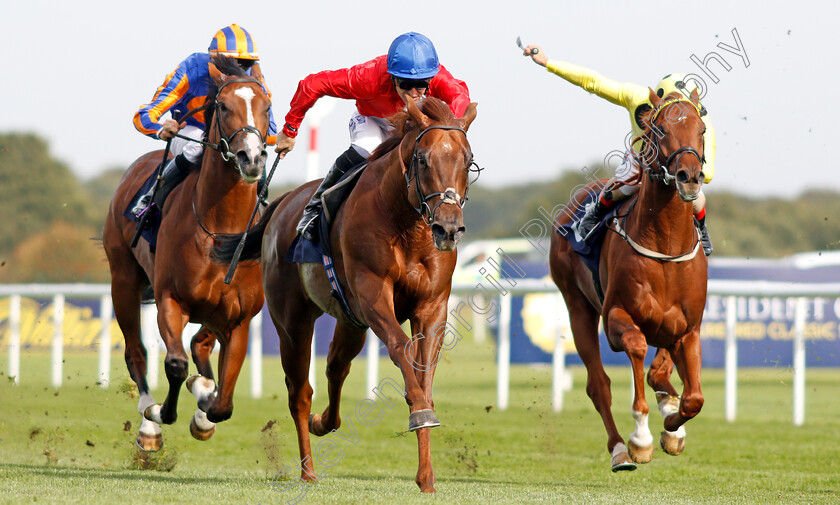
(242, 158)
(702, 177)
(438, 231)
(682, 176)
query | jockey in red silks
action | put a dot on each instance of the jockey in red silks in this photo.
(636, 100)
(184, 89)
(381, 87)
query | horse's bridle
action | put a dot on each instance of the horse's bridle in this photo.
(664, 175)
(449, 195)
(223, 147)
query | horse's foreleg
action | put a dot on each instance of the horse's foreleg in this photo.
(384, 324)
(346, 344)
(659, 374)
(428, 325)
(584, 323)
(376, 300)
(659, 379)
(231, 357)
(171, 321)
(640, 443)
(687, 358)
(201, 346)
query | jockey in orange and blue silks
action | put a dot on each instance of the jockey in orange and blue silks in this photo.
(381, 88)
(185, 89)
(633, 98)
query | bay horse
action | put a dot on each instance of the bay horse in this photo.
(653, 284)
(393, 246)
(188, 285)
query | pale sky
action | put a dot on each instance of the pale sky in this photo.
(86, 66)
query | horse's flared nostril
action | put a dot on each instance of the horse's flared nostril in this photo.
(438, 232)
(459, 233)
(242, 158)
(682, 176)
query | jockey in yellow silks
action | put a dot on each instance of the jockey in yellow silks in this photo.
(634, 98)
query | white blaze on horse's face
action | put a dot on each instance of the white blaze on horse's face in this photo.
(253, 144)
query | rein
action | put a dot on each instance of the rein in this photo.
(449, 195)
(223, 147)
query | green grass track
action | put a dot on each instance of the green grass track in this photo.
(72, 445)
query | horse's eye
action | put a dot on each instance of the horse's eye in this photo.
(222, 107)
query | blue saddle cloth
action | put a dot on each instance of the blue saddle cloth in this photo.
(589, 251)
(319, 251)
(153, 221)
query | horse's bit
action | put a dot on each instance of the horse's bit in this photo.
(449, 195)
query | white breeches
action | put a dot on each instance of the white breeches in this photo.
(367, 132)
(192, 151)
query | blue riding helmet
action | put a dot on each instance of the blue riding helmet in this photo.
(412, 56)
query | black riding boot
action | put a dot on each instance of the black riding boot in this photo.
(593, 216)
(308, 223)
(174, 172)
(704, 236)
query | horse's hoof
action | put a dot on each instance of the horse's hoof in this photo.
(640, 454)
(311, 420)
(668, 404)
(149, 443)
(199, 434)
(199, 385)
(671, 443)
(621, 462)
(152, 413)
(422, 419)
(190, 380)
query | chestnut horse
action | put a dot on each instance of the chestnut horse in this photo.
(188, 285)
(650, 298)
(393, 245)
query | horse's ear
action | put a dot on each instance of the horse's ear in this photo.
(256, 72)
(469, 116)
(654, 98)
(422, 120)
(695, 96)
(217, 76)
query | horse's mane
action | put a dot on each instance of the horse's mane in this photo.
(433, 107)
(227, 66)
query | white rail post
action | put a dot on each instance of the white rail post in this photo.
(14, 338)
(312, 365)
(256, 342)
(150, 332)
(799, 362)
(105, 342)
(503, 386)
(372, 363)
(558, 365)
(479, 324)
(57, 340)
(731, 358)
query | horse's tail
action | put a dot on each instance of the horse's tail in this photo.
(226, 243)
